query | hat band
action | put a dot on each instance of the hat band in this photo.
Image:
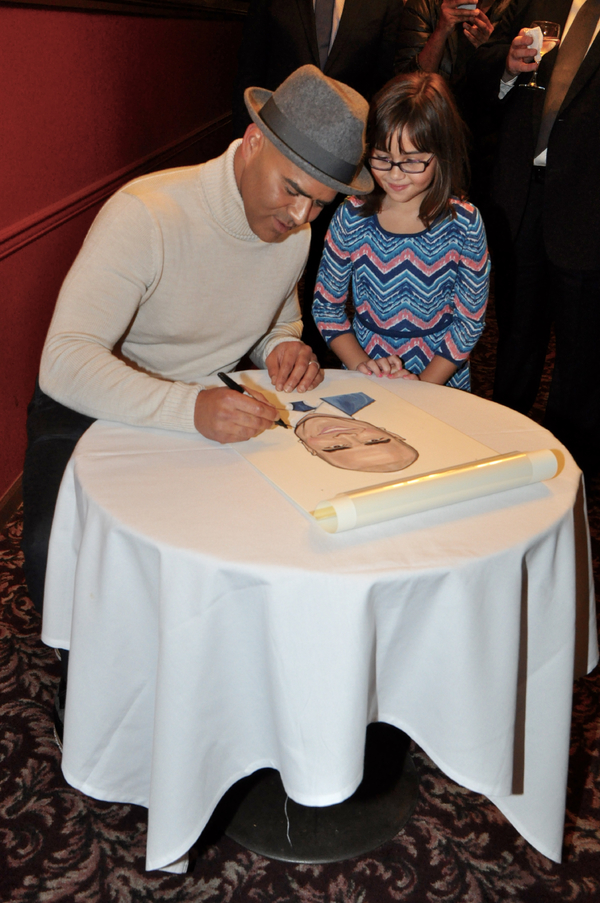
(327, 163)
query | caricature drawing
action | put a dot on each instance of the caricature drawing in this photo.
(330, 432)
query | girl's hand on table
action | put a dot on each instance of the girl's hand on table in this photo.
(391, 367)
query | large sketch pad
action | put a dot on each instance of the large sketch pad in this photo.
(308, 480)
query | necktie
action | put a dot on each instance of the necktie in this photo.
(324, 22)
(570, 54)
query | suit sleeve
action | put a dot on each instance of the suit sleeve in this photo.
(487, 64)
(389, 43)
(417, 24)
(253, 62)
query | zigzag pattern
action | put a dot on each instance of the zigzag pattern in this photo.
(417, 295)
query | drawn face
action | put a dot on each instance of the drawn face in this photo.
(354, 444)
(278, 196)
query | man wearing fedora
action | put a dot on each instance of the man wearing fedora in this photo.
(353, 41)
(183, 273)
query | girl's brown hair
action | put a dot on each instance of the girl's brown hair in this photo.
(421, 105)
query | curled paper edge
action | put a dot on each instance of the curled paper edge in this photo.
(436, 489)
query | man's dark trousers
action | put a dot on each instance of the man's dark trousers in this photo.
(53, 431)
(532, 291)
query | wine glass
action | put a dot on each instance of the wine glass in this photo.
(550, 40)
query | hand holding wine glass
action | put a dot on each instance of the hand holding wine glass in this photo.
(521, 55)
(550, 40)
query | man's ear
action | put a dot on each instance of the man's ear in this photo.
(252, 142)
(394, 435)
(311, 451)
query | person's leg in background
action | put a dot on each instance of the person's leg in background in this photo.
(523, 309)
(573, 410)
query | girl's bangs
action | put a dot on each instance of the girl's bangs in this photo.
(421, 135)
(413, 125)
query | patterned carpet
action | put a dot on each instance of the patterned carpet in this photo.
(57, 845)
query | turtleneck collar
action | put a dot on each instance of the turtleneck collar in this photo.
(223, 198)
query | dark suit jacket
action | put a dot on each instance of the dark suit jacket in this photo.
(280, 36)
(418, 22)
(571, 220)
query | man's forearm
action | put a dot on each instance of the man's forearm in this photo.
(91, 380)
(289, 332)
(287, 327)
(430, 56)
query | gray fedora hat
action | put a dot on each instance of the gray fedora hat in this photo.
(319, 124)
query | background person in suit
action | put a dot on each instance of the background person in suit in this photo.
(280, 36)
(442, 36)
(546, 227)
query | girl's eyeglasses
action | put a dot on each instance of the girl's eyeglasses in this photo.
(384, 164)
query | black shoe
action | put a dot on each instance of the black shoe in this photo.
(59, 713)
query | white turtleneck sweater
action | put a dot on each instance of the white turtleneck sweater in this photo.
(171, 273)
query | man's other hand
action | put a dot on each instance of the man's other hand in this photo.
(519, 57)
(479, 29)
(449, 15)
(228, 416)
(293, 365)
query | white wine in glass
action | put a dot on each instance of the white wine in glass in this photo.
(550, 40)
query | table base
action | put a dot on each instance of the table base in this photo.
(375, 813)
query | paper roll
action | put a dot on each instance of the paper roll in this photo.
(422, 492)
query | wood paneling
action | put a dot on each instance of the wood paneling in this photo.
(189, 9)
(33, 227)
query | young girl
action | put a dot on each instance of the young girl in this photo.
(415, 250)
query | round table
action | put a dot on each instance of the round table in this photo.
(214, 629)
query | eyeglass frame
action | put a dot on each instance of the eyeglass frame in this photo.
(401, 165)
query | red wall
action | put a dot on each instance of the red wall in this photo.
(84, 97)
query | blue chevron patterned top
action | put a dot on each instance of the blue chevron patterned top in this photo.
(414, 295)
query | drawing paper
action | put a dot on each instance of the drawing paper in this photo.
(307, 480)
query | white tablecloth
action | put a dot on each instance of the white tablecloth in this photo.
(214, 629)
